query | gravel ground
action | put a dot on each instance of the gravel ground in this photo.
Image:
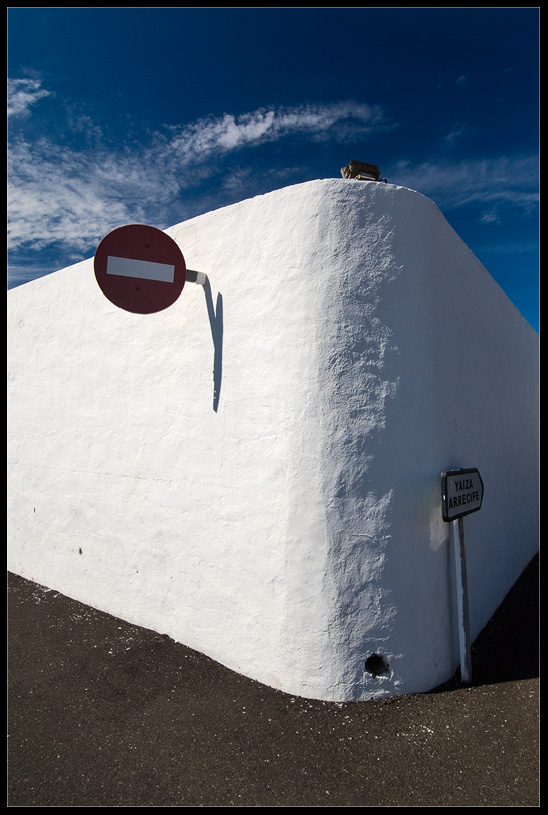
(103, 713)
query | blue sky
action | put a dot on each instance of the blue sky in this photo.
(145, 115)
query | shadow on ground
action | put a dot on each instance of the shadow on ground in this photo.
(103, 713)
(508, 647)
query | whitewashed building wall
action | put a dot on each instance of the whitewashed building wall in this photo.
(255, 471)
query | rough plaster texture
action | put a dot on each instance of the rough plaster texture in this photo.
(255, 471)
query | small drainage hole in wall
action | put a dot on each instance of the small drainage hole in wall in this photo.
(376, 665)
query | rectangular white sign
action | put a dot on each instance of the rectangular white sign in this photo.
(145, 269)
(461, 493)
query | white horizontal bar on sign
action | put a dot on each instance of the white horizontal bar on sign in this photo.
(145, 269)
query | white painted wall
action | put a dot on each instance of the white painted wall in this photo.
(256, 470)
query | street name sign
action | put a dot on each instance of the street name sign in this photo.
(140, 269)
(461, 493)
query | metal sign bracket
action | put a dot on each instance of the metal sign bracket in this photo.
(196, 277)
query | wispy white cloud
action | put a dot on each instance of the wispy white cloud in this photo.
(491, 184)
(69, 191)
(22, 94)
(458, 131)
(72, 193)
(215, 136)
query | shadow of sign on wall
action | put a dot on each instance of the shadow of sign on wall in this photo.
(216, 323)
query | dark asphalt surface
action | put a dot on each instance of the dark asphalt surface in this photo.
(102, 713)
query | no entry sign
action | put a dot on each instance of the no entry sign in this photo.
(461, 493)
(140, 269)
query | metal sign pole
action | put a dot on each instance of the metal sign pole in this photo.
(461, 494)
(462, 601)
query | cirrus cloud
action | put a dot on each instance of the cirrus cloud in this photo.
(69, 185)
(508, 181)
(22, 94)
(70, 191)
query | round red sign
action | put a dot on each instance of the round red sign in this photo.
(140, 269)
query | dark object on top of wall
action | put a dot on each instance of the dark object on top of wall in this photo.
(360, 171)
